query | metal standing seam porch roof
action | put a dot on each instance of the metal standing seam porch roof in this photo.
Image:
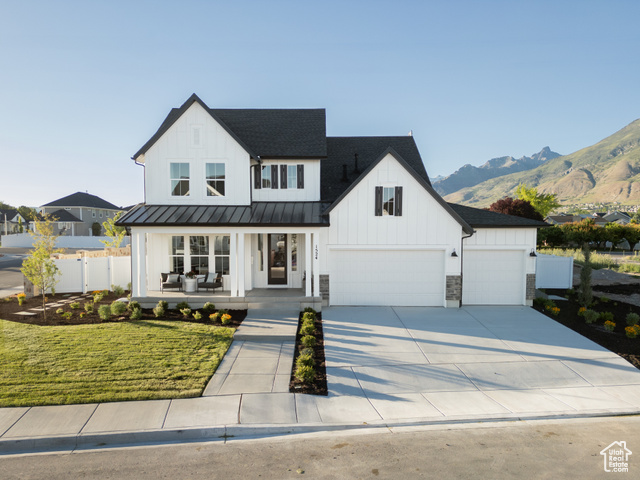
(275, 214)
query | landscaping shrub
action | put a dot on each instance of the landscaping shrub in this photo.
(223, 311)
(118, 308)
(197, 316)
(104, 312)
(21, 298)
(214, 316)
(305, 373)
(305, 360)
(88, 307)
(585, 294)
(163, 304)
(67, 315)
(97, 297)
(609, 325)
(309, 309)
(136, 314)
(185, 312)
(182, 305)
(632, 319)
(306, 351)
(590, 316)
(75, 305)
(632, 331)
(308, 341)
(131, 306)
(209, 308)
(225, 318)
(606, 317)
(60, 311)
(117, 289)
(308, 316)
(307, 329)
(158, 310)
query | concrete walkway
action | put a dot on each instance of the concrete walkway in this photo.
(386, 367)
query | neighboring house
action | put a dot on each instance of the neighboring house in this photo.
(622, 218)
(265, 198)
(82, 211)
(11, 221)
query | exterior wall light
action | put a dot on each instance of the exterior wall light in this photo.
(533, 253)
(454, 254)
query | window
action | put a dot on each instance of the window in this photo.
(292, 176)
(221, 251)
(294, 252)
(100, 213)
(93, 213)
(179, 179)
(177, 254)
(199, 252)
(388, 201)
(215, 179)
(266, 176)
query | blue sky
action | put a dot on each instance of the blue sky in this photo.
(84, 84)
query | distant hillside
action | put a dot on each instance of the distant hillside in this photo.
(608, 171)
(468, 176)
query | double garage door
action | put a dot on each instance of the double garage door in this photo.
(387, 277)
(493, 277)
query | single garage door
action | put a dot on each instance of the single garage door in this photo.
(493, 277)
(386, 277)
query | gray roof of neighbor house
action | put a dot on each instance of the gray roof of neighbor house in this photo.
(64, 216)
(479, 218)
(273, 214)
(81, 199)
(267, 133)
(9, 212)
(341, 151)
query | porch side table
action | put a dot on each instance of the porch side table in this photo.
(190, 284)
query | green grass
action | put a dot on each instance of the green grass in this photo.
(598, 260)
(107, 362)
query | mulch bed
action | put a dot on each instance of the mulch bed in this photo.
(616, 341)
(319, 385)
(9, 307)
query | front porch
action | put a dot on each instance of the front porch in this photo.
(255, 298)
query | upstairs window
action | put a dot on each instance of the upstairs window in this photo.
(388, 201)
(292, 176)
(266, 176)
(179, 173)
(215, 179)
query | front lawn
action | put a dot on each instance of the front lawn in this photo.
(135, 360)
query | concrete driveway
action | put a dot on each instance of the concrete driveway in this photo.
(474, 361)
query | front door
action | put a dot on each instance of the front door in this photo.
(277, 259)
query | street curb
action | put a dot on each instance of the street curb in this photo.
(95, 441)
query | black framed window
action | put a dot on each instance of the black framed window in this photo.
(216, 179)
(388, 201)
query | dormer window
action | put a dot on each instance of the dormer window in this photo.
(215, 179)
(179, 179)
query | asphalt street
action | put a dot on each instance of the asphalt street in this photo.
(558, 449)
(10, 275)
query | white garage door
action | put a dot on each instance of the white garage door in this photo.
(493, 277)
(386, 277)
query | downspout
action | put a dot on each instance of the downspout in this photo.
(144, 180)
(461, 263)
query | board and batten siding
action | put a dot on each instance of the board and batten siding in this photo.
(214, 145)
(310, 192)
(522, 239)
(424, 224)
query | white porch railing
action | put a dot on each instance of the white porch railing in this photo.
(554, 272)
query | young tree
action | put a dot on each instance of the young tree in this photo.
(585, 294)
(519, 208)
(113, 231)
(39, 267)
(544, 203)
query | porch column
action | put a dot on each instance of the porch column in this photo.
(241, 258)
(233, 273)
(307, 262)
(316, 264)
(138, 265)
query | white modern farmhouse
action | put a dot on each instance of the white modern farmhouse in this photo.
(265, 200)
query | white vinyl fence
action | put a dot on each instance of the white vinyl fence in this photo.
(25, 240)
(554, 272)
(89, 274)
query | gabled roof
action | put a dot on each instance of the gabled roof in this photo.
(64, 216)
(272, 214)
(81, 199)
(9, 212)
(479, 218)
(341, 151)
(275, 133)
(421, 180)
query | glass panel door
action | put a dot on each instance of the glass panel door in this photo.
(277, 259)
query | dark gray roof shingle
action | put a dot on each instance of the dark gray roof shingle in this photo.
(341, 151)
(81, 199)
(64, 216)
(479, 218)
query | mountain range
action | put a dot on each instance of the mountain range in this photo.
(606, 172)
